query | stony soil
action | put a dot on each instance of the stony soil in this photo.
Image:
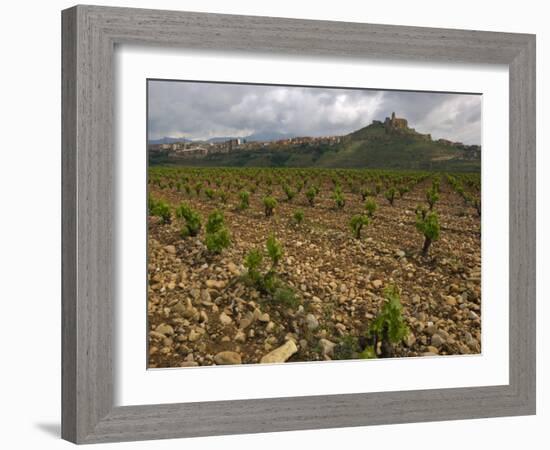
(201, 312)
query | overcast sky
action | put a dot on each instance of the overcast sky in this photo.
(205, 110)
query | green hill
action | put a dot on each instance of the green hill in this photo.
(389, 145)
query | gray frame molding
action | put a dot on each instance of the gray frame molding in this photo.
(89, 36)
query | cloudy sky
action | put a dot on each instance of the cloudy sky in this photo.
(206, 110)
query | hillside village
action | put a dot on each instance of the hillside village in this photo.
(186, 150)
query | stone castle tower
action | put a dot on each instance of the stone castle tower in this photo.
(396, 123)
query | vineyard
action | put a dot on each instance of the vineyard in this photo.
(250, 265)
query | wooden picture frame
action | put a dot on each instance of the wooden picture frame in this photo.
(90, 34)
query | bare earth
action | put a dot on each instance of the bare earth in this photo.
(199, 306)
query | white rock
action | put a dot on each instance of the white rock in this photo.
(280, 354)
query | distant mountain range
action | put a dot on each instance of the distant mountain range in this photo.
(388, 144)
(263, 137)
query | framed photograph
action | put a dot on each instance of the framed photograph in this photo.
(277, 224)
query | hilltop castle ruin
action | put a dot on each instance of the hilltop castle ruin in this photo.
(397, 125)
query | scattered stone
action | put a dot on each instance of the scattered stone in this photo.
(410, 340)
(433, 349)
(430, 329)
(194, 334)
(312, 322)
(246, 321)
(189, 364)
(215, 284)
(450, 300)
(327, 347)
(186, 310)
(377, 284)
(232, 267)
(263, 317)
(227, 358)
(170, 249)
(205, 296)
(240, 336)
(165, 329)
(225, 319)
(437, 340)
(156, 335)
(280, 354)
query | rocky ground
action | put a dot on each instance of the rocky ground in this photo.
(201, 312)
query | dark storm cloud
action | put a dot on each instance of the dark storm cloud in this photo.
(206, 110)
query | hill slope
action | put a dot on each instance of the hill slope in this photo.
(377, 145)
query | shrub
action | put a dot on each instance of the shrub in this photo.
(371, 206)
(310, 195)
(357, 222)
(244, 197)
(347, 348)
(209, 193)
(378, 188)
(432, 196)
(290, 193)
(285, 295)
(269, 205)
(192, 220)
(187, 189)
(198, 188)
(421, 210)
(429, 227)
(224, 196)
(252, 262)
(338, 197)
(390, 195)
(274, 250)
(298, 216)
(160, 208)
(269, 283)
(476, 203)
(402, 190)
(366, 192)
(217, 235)
(389, 326)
